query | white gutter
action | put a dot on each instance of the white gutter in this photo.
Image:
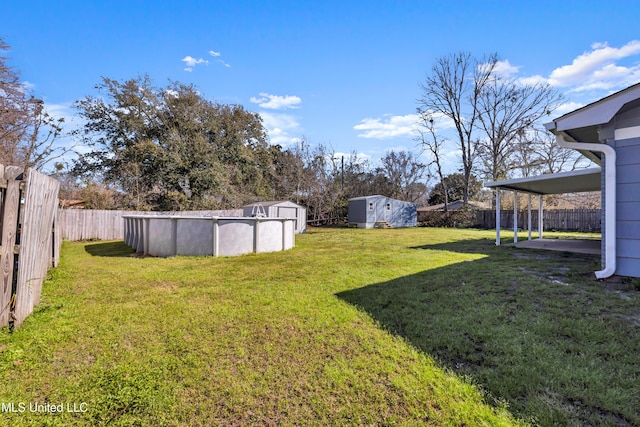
(609, 199)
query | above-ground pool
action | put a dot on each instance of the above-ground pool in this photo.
(166, 236)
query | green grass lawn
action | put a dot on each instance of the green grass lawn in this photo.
(352, 327)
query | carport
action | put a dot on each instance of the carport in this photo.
(606, 131)
(577, 181)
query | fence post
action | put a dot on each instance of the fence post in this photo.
(8, 259)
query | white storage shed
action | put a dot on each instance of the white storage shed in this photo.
(381, 211)
(279, 209)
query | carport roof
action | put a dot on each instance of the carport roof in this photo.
(576, 181)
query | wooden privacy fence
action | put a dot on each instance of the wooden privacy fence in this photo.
(553, 219)
(29, 243)
(87, 224)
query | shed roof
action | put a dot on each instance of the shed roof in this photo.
(576, 181)
(367, 197)
(379, 196)
(273, 203)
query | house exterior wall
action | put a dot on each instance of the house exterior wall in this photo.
(628, 193)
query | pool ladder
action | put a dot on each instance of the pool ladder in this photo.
(258, 211)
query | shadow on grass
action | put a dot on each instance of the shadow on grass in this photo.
(532, 328)
(109, 249)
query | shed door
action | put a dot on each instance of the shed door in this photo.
(371, 212)
(388, 212)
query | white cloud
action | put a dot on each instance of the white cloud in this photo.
(533, 80)
(360, 157)
(279, 127)
(388, 127)
(505, 68)
(28, 86)
(567, 107)
(501, 68)
(219, 60)
(191, 62)
(601, 68)
(597, 69)
(441, 121)
(276, 102)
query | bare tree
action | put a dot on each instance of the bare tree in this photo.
(552, 157)
(27, 132)
(507, 110)
(433, 144)
(453, 89)
(39, 143)
(13, 119)
(404, 171)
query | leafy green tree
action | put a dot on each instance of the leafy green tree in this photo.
(169, 148)
(455, 184)
(121, 129)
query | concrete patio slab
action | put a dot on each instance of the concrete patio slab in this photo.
(565, 245)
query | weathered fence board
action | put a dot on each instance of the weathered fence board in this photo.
(87, 224)
(40, 204)
(29, 246)
(553, 219)
(11, 205)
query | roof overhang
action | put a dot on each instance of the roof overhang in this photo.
(585, 120)
(577, 181)
(584, 124)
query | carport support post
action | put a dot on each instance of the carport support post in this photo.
(540, 217)
(515, 217)
(498, 216)
(529, 217)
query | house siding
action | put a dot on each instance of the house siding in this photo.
(628, 199)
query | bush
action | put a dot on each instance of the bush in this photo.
(461, 218)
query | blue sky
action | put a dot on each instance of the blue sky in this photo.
(344, 73)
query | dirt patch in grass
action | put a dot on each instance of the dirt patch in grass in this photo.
(534, 329)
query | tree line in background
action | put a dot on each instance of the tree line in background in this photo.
(147, 147)
(168, 148)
